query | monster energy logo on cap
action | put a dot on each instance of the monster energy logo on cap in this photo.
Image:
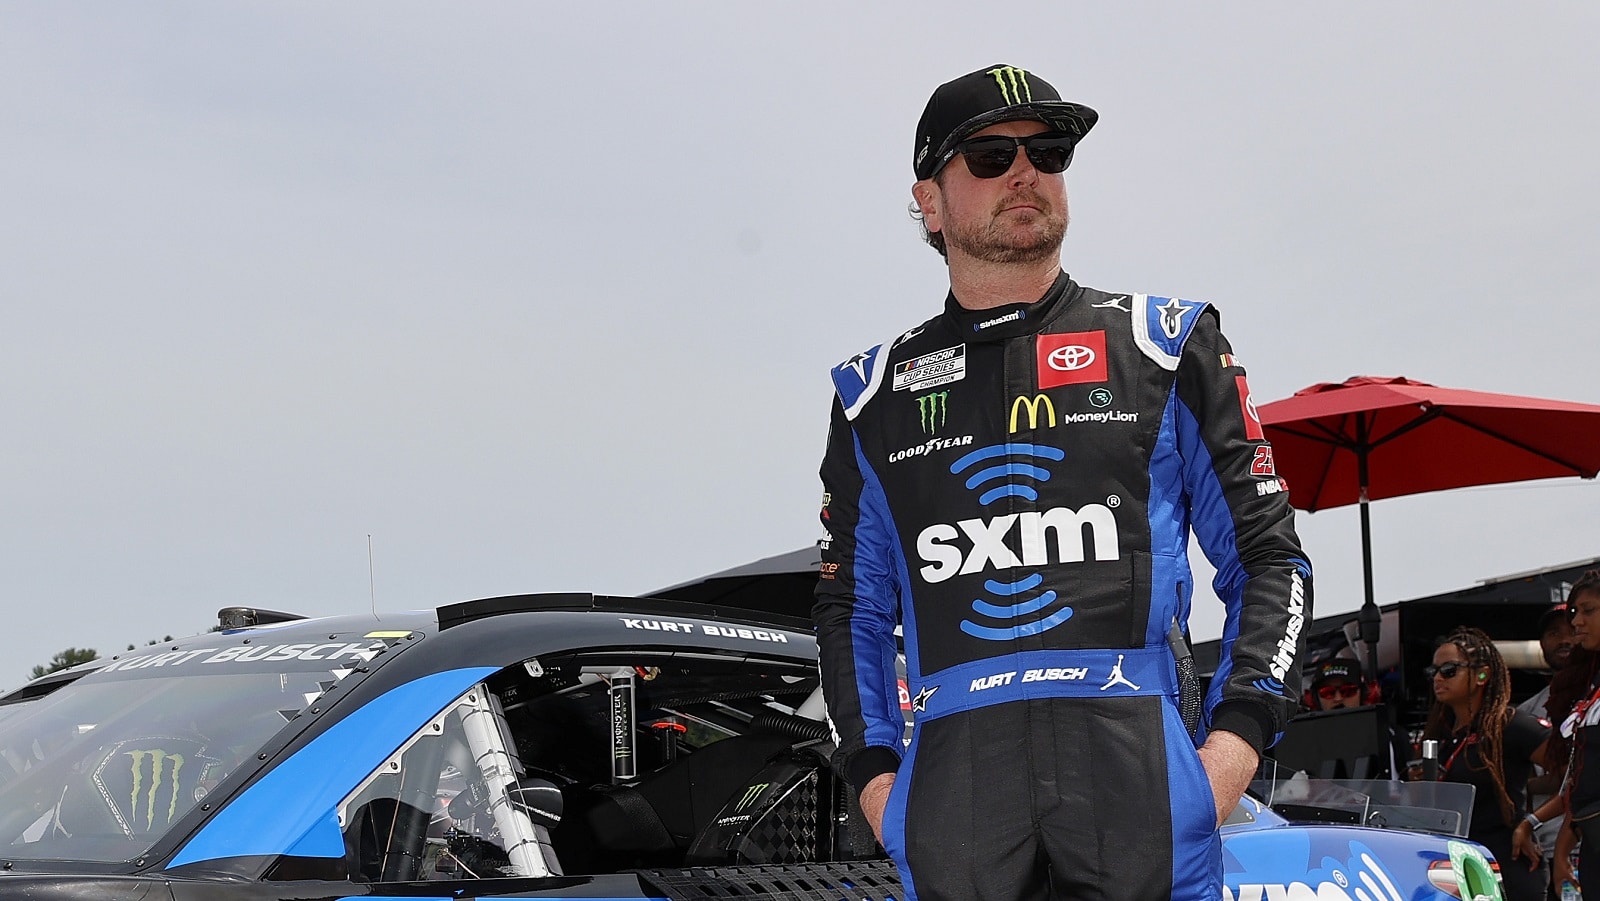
(1013, 84)
(931, 410)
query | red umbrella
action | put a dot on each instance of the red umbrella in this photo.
(1369, 437)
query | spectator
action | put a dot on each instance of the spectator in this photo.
(1573, 693)
(1487, 743)
(1556, 641)
(1337, 685)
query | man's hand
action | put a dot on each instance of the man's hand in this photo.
(874, 798)
(1229, 762)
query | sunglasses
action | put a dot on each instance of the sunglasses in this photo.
(1447, 670)
(991, 156)
(1333, 692)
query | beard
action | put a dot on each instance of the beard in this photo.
(996, 240)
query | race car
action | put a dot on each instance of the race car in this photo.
(537, 746)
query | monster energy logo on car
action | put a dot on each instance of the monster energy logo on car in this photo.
(931, 410)
(750, 794)
(163, 771)
(1013, 84)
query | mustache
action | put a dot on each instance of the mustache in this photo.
(1032, 198)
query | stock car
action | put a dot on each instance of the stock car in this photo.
(538, 746)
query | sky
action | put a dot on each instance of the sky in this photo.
(543, 297)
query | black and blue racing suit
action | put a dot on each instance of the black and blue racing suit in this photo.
(1015, 488)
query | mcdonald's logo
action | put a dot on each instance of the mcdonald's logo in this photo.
(1013, 84)
(1033, 404)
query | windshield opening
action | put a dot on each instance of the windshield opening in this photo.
(102, 769)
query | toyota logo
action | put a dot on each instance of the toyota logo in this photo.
(1070, 358)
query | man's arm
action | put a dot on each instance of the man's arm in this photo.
(856, 611)
(1241, 515)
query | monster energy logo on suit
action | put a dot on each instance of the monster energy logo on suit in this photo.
(1013, 84)
(154, 772)
(931, 409)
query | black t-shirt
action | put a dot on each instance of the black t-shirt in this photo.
(1586, 772)
(1523, 735)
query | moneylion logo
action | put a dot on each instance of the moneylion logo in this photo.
(750, 795)
(1013, 84)
(1033, 404)
(931, 410)
(155, 773)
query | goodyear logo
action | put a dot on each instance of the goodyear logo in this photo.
(1013, 84)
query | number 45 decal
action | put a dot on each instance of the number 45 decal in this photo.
(1262, 464)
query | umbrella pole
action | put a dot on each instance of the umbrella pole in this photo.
(1371, 619)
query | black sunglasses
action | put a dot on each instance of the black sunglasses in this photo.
(1447, 670)
(991, 156)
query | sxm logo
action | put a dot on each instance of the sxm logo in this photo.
(1013, 84)
(1014, 471)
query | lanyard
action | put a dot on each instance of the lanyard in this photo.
(1471, 739)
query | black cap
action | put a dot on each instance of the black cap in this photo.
(1550, 615)
(1336, 669)
(979, 99)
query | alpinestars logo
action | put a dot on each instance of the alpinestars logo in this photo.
(1172, 313)
(931, 411)
(1013, 84)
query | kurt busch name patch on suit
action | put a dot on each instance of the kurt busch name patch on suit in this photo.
(1071, 358)
(931, 370)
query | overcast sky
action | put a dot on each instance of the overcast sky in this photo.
(543, 296)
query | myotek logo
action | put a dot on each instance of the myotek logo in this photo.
(1057, 535)
(1283, 660)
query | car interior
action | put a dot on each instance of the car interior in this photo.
(602, 761)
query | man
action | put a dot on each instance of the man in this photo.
(1337, 685)
(1012, 483)
(1556, 641)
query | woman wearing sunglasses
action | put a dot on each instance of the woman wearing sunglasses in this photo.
(1575, 704)
(1487, 743)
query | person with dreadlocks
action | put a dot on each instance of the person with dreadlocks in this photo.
(1487, 743)
(1575, 704)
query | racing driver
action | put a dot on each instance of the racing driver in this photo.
(1012, 483)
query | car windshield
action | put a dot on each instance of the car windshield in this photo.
(102, 768)
(1443, 808)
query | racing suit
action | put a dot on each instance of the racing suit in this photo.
(1014, 488)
